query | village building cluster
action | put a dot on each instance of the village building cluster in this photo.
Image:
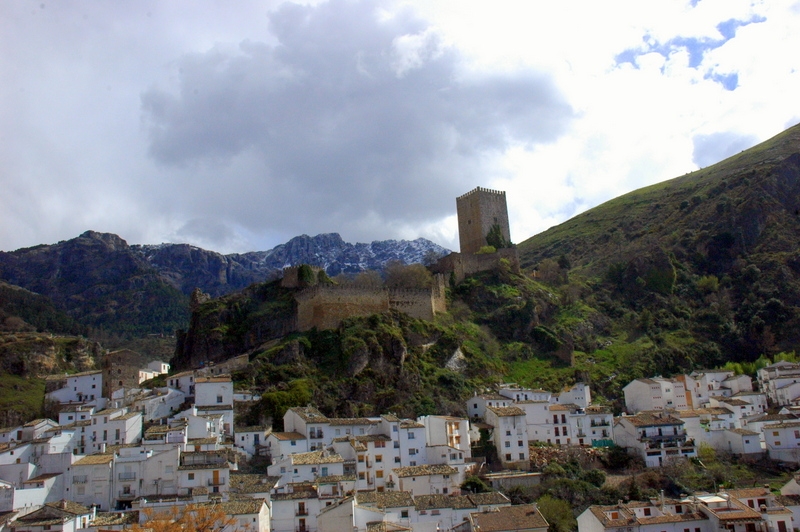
(117, 452)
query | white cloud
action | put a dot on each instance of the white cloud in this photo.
(268, 120)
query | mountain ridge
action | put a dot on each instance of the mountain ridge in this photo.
(107, 284)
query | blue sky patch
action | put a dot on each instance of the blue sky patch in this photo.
(695, 47)
(729, 81)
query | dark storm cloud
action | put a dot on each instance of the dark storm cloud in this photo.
(710, 149)
(353, 118)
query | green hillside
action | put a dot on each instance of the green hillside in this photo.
(694, 272)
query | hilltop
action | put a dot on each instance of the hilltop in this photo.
(694, 272)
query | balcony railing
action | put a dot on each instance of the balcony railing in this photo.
(217, 482)
(81, 479)
(390, 484)
(127, 494)
(127, 476)
(301, 512)
(600, 423)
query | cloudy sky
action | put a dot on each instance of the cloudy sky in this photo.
(235, 126)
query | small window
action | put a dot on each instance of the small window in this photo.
(191, 476)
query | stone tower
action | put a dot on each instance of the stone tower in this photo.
(478, 210)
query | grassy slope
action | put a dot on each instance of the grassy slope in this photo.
(654, 211)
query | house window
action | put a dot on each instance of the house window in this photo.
(378, 458)
(412, 452)
(361, 475)
(191, 476)
(508, 433)
(379, 473)
(508, 444)
(380, 444)
(411, 436)
(508, 457)
(647, 512)
(522, 456)
(219, 399)
(519, 443)
(404, 514)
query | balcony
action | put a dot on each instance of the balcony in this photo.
(127, 495)
(217, 482)
(300, 512)
(315, 435)
(127, 476)
(603, 423)
(390, 484)
(80, 479)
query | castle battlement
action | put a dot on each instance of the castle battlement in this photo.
(481, 189)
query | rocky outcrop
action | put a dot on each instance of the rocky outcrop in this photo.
(39, 355)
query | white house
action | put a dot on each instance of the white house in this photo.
(510, 436)
(306, 467)
(783, 441)
(282, 444)
(90, 481)
(654, 436)
(114, 426)
(60, 516)
(429, 480)
(252, 439)
(79, 388)
(183, 381)
(669, 515)
(476, 406)
(295, 508)
(655, 394)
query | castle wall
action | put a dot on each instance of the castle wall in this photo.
(478, 210)
(465, 264)
(291, 278)
(324, 307)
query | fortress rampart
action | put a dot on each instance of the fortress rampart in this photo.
(325, 306)
(462, 265)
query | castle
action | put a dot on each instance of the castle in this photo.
(480, 212)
